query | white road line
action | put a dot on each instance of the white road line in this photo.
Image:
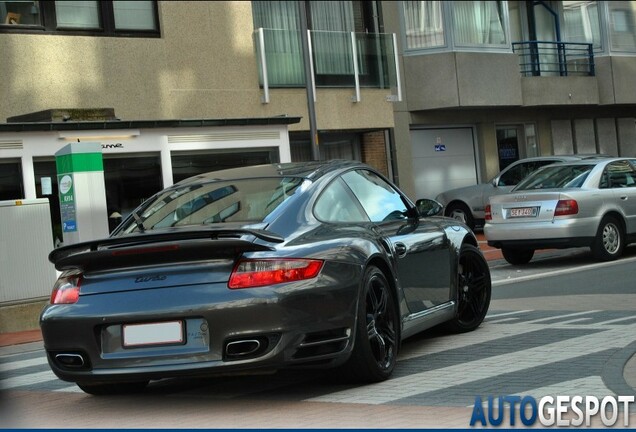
(440, 379)
(508, 313)
(70, 389)
(6, 367)
(615, 320)
(28, 379)
(560, 316)
(499, 321)
(576, 269)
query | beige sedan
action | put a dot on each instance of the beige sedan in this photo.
(588, 203)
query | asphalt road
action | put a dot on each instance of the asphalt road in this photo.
(561, 325)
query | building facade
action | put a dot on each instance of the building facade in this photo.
(436, 94)
(157, 61)
(489, 82)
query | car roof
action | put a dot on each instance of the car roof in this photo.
(311, 170)
(591, 161)
(575, 157)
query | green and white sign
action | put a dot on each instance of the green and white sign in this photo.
(68, 209)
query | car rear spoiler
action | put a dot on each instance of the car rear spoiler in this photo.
(157, 248)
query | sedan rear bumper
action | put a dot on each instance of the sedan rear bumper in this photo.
(555, 234)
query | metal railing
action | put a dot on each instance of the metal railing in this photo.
(338, 59)
(548, 58)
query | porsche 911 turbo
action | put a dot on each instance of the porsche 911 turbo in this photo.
(321, 265)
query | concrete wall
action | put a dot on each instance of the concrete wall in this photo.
(570, 90)
(203, 66)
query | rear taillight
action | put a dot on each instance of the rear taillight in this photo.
(257, 273)
(67, 287)
(566, 207)
(487, 213)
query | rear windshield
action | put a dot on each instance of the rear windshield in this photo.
(556, 176)
(248, 200)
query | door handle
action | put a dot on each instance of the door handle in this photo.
(400, 249)
(624, 197)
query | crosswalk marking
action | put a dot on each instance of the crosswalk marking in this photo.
(29, 379)
(551, 318)
(6, 367)
(497, 315)
(490, 367)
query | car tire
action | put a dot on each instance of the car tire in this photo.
(473, 290)
(377, 332)
(517, 256)
(609, 241)
(461, 212)
(105, 389)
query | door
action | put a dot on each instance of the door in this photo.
(443, 159)
(420, 250)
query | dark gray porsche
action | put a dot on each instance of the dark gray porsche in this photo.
(322, 264)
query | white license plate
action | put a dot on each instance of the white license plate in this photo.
(524, 212)
(164, 333)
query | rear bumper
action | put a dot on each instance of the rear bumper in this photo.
(306, 323)
(557, 234)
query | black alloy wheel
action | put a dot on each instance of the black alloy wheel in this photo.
(377, 334)
(473, 290)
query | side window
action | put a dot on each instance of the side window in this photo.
(378, 198)
(619, 174)
(336, 204)
(518, 172)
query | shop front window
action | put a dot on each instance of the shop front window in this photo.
(11, 186)
(130, 180)
(188, 164)
(46, 187)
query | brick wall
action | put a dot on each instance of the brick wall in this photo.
(374, 151)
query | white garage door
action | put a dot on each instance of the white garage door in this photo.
(443, 159)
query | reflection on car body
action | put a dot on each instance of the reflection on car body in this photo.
(261, 268)
(587, 203)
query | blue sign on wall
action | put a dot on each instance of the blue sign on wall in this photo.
(440, 147)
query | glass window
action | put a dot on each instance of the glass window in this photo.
(478, 23)
(19, 13)
(619, 174)
(581, 22)
(77, 14)
(424, 24)
(98, 18)
(188, 164)
(518, 172)
(11, 186)
(130, 180)
(551, 177)
(45, 173)
(243, 200)
(379, 199)
(622, 25)
(337, 205)
(134, 15)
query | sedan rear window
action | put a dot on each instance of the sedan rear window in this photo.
(556, 177)
(247, 200)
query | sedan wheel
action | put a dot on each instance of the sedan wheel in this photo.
(473, 290)
(461, 213)
(113, 388)
(609, 242)
(517, 256)
(377, 336)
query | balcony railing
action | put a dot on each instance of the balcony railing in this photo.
(338, 59)
(540, 58)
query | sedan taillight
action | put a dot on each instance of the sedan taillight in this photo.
(488, 213)
(67, 288)
(257, 273)
(566, 207)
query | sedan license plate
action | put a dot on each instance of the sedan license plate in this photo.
(524, 212)
(163, 333)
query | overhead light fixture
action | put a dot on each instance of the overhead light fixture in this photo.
(98, 135)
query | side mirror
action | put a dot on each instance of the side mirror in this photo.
(428, 207)
(495, 181)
